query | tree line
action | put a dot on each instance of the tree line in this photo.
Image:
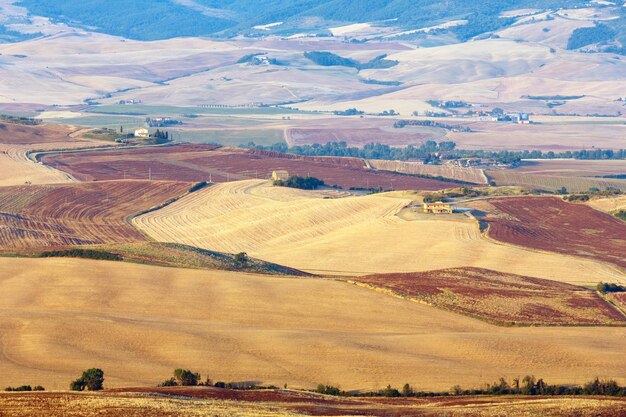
(433, 152)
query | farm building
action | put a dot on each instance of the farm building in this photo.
(142, 133)
(438, 208)
(280, 175)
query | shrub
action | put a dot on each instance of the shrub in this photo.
(328, 390)
(241, 259)
(20, 388)
(186, 378)
(605, 287)
(92, 379)
(303, 183)
(198, 186)
(38, 388)
(220, 384)
(168, 383)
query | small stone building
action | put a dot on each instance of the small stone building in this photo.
(142, 133)
(438, 208)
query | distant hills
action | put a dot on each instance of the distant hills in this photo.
(163, 19)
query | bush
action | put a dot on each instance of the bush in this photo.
(604, 288)
(198, 186)
(20, 388)
(82, 253)
(38, 388)
(328, 390)
(92, 379)
(241, 259)
(186, 378)
(220, 384)
(168, 383)
(303, 183)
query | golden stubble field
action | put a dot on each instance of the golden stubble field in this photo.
(349, 236)
(139, 322)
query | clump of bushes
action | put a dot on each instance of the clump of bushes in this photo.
(82, 253)
(620, 214)
(198, 186)
(23, 388)
(184, 378)
(303, 183)
(91, 379)
(605, 287)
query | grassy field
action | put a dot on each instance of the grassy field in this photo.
(348, 236)
(140, 322)
(222, 403)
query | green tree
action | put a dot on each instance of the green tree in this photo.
(241, 259)
(186, 378)
(92, 379)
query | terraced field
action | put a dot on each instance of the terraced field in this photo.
(314, 232)
(550, 224)
(500, 298)
(204, 162)
(77, 214)
(138, 323)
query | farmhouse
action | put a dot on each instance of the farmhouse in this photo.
(438, 208)
(280, 175)
(142, 133)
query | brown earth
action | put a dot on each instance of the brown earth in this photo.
(17, 134)
(550, 224)
(499, 297)
(204, 162)
(160, 402)
(78, 214)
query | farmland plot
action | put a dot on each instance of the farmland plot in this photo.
(474, 175)
(139, 322)
(77, 214)
(550, 224)
(348, 236)
(554, 182)
(207, 162)
(499, 297)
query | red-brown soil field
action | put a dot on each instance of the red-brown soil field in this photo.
(500, 298)
(78, 214)
(356, 136)
(204, 162)
(550, 224)
(200, 401)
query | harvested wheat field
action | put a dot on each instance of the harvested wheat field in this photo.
(500, 298)
(78, 214)
(609, 205)
(204, 162)
(348, 236)
(473, 175)
(573, 184)
(16, 141)
(550, 224)
(140, 322)
(225, 403)
(573, 167)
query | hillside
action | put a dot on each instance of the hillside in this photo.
(348, 236)
(160, 19)
(140, 322)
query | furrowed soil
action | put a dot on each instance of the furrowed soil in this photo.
(138, 323)
(550, 224)
(505, 299)
(206, 162)
(205, 402)
(78, 214)
(357, 235)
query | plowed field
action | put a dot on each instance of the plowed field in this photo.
(77, 214)
(499, 297)
(204, 162)
(550, 224)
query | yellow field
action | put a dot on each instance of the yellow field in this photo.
(609, 205)
(348, 236)
(139, 322)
